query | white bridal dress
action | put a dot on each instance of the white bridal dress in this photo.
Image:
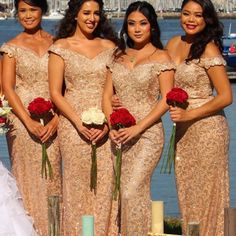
(13, 218)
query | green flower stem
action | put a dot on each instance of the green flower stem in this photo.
(43, 167)
(117, 171)
(169, 156)
(93, 172)
(45, 161)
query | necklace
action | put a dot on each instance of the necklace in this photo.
(132, 59)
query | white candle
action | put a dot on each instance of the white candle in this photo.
(157, 217)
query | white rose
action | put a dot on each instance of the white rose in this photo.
(86, 118)
(5, 103)
(4, 111)
(93, 116)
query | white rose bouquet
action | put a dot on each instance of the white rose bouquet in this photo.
(93, 117)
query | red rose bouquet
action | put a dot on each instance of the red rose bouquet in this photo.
(93, 117)
(40, 108)
(120, 118)
(176, 97)
(4, 111)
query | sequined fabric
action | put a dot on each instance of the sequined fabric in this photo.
(84, 79)
(139, 90)
(201, 164)
(24, 149)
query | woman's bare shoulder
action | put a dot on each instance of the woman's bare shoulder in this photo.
(173, 42)
(211, 50)
(107, 44)
(45, 34)
(62, 43)
(161, 55)
(17, 40)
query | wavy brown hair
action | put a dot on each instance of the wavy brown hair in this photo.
(68, 24)
(212, 32)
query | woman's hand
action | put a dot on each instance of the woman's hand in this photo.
(35, 128)
(126, 134)
(114, 137)
(98, 133)
(178, 114)
(86, 132)
(50, 128)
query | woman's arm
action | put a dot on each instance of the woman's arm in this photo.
(107, 106)
(107, 97)
(56, 77)
(8, 84)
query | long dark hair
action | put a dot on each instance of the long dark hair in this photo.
(212, 32)
(68, 24)
(148, 11)
(42, 4)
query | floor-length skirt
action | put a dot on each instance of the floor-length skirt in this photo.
(202, 177)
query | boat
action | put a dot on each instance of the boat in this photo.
(229, 51)
(4, 17)
(54, 15)
(55, 12)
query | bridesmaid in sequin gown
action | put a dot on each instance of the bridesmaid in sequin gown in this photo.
(142, 74)
(25, 77)
(13, 217)
(78, 58)
(201, 164)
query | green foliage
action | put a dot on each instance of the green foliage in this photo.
(172, 226)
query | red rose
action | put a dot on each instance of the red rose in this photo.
(176, 96)
(39, 106)
(122, 118)
(2, 120)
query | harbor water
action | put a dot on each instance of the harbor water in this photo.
(163, 186)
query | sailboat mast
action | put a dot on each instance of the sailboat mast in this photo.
(119, 8)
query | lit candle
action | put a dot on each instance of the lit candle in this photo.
(157, 217)
(87, 225)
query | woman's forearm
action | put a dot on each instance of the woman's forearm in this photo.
(65, 108)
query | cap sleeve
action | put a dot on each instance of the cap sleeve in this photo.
(58, 51)
(158, 68)
(8, 49)
(110, 62)
(213, 61)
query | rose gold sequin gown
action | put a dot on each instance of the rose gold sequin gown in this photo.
(24, 149)
(139, 90)
(84, 79)
(201, 164)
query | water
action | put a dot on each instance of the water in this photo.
(163, 186)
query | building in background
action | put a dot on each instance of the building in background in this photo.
(226, 6)
(169, 5)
